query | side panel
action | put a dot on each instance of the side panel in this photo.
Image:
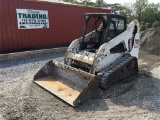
(1, 37)
(104, 50)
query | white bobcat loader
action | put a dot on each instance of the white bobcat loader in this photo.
(106, 53)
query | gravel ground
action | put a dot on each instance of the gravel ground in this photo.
(21, 99)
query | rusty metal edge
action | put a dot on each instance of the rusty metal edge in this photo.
(30, 53)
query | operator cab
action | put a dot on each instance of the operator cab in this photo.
(100, 28)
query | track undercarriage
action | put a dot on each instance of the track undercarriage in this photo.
(125, 67)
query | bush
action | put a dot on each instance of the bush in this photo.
(155, 24)
(142, 27)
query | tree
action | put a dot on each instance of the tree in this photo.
(149, 14)
(87, 3)
(100, 3)
(70, 1)
(139, 6)
(158, 13)
(121, 10)
(81, 2)
(155, 24)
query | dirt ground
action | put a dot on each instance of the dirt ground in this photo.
(20, 99)
(150, 41)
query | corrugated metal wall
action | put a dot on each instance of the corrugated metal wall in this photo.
(65, 24)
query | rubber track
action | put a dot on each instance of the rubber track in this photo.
(115, 67)
(118, 64)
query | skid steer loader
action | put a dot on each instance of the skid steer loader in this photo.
(106, 53)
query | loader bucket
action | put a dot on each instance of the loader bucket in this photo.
(70, 84)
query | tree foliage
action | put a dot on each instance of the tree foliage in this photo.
(139, 6)
(99, 3)
(119, 9)
(155, 24)
(149, 14)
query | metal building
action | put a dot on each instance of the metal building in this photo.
(53, 24)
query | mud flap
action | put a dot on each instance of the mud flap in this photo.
(70, 84)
